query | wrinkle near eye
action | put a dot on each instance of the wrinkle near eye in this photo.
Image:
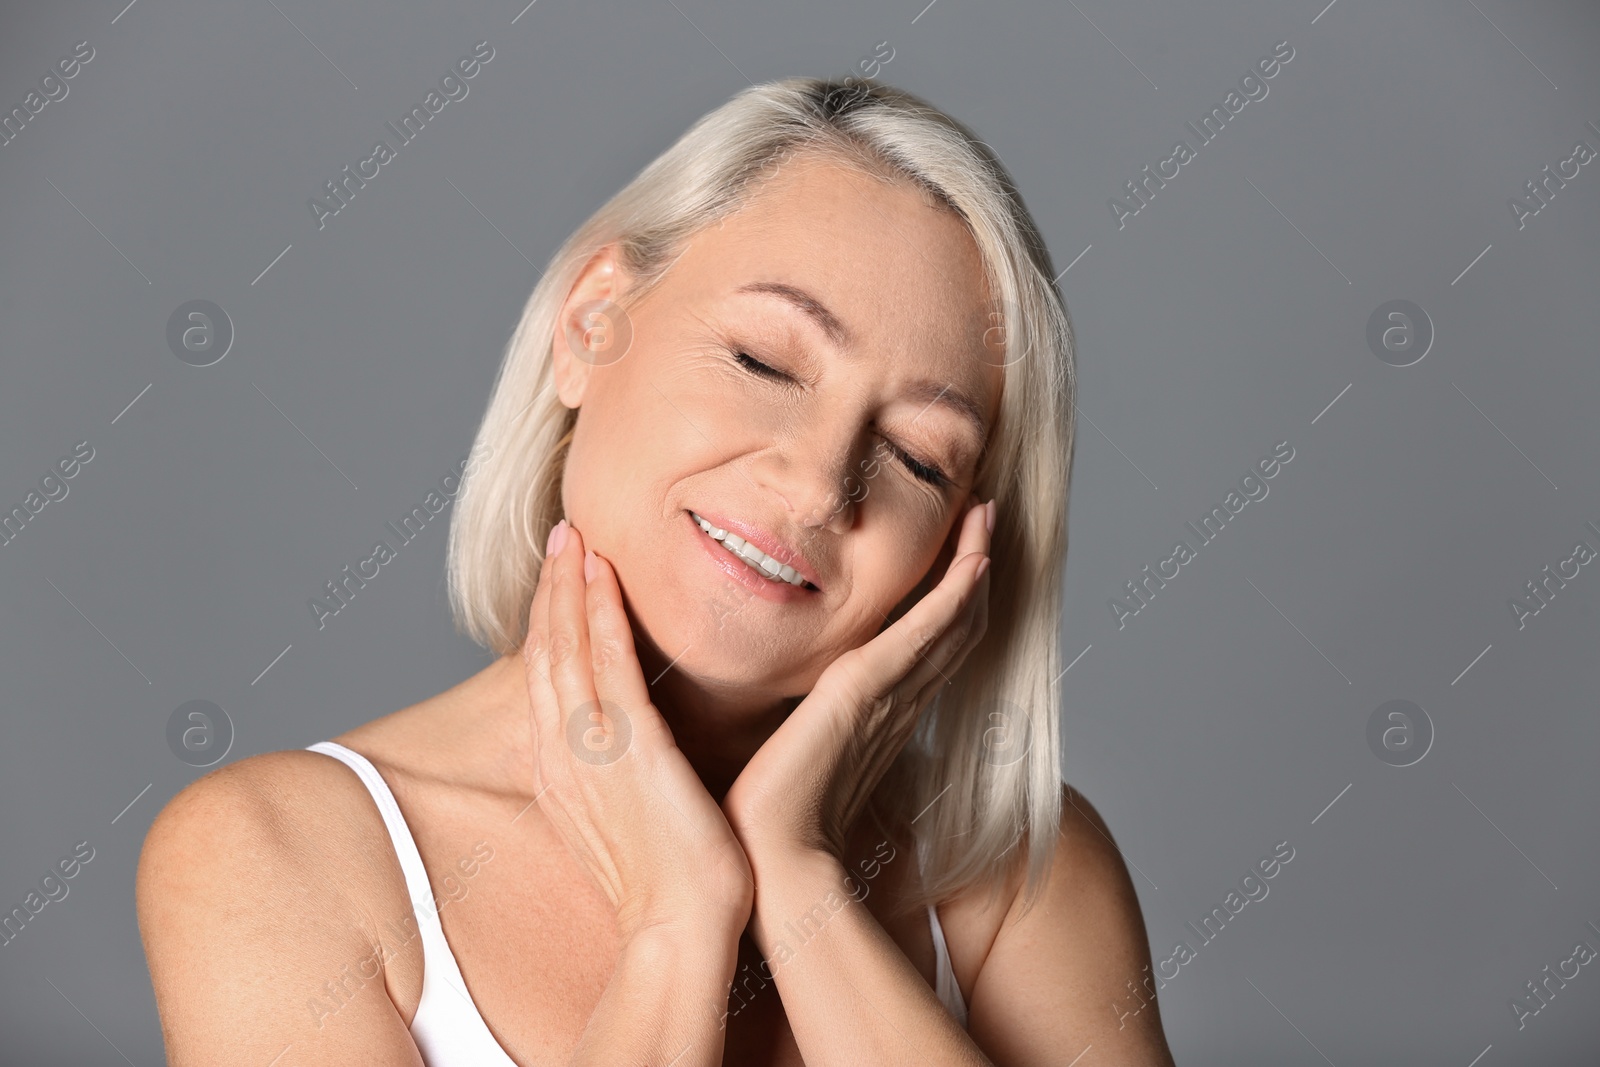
(783, 402)
(934, 448)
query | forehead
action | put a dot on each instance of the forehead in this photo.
(900, 271)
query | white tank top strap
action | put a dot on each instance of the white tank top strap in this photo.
(448, 1028)
(946, 987)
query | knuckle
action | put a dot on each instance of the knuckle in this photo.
(959, 634)
(923, 637)
(562, 647)
(607, 653)
(848, 679)
(883, 705)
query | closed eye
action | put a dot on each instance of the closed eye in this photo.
(755, 366)
(921, 471)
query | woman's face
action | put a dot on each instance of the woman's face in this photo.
(817, 374)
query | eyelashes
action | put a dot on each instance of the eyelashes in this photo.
(754, 365)
(923, 472)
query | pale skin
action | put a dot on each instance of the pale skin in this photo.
(625, 894)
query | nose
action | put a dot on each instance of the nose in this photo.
(815, 475)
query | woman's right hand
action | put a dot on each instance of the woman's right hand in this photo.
(609, 776)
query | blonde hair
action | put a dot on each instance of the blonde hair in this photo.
(982, 775)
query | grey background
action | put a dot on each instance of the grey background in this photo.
(1228, 715)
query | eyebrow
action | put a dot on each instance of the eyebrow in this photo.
(933, 392)
(954, 399)
(804, 301)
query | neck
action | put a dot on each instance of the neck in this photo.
(717, 728)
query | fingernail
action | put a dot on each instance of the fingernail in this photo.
(989, 513)
(983, 565)
(558, 538)
(590, 568)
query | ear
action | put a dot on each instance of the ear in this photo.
(587, 324)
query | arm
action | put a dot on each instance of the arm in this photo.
(850, 993)
(1071, 974)
(633, 811)
(249, 945)
(256, 959)
(1056, 982)
(666, 999)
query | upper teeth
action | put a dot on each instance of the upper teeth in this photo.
(765, 564)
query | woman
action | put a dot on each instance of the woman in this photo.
(758, 777)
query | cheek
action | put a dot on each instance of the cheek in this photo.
(622, 452)
(897, 568)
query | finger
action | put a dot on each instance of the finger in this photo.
(915, 691)
(878, 667)
(544, 706)
(954, 645)
(927, 624)
(535, 647)
(975, 617)
(567, 653)
(951, 550)
(618, 675)
(981, 616)
(974, 532)
(943, 603)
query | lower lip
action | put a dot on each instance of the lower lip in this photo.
(743, 573)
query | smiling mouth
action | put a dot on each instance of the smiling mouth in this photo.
(757, 560)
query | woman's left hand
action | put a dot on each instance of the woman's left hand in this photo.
(802, 790)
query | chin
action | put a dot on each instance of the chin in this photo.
(716, 624)
(717, 646)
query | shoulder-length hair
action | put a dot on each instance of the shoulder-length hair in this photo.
(982, 774)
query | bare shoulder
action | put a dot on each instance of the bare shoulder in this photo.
(1088, 860)
(264, 776)
(284, 809)
(255, 887)
(1059, 974)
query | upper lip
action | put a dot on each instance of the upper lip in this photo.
(766, 542)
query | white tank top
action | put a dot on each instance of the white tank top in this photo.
(448, 1029)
